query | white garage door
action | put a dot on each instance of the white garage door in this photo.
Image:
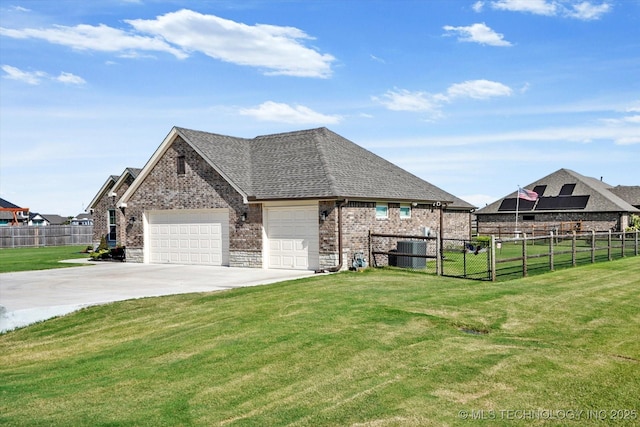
(292, 237)
(189, 236)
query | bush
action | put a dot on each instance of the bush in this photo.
(103, 244)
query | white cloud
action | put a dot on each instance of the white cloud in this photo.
(587, 11)
(404, 100)
(20, 9)
(285, 113)
(478, 6)
(275, 48)
(29, 77)
(69, 78)
(538, 7)
(478, 33)
(424, 102)
(279, 50)
(619, 135)
(478, 89)
(36, 77)
(584, 10)
(88, 37)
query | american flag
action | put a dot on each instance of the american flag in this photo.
(525, 194)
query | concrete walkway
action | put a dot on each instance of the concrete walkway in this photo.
(32, 296)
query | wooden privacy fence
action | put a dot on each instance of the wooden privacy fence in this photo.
(50, 235)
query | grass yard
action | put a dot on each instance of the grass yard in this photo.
(373, 348)
(44, 258)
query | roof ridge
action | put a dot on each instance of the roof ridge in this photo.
(333, 182)
(294, 132)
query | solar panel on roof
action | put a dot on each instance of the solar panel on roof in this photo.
(510, 205)
(567, 189)
(540, 189)
(562, 203)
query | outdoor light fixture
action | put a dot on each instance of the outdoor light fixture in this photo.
(323, 215)
(132, 220)
(243, 217)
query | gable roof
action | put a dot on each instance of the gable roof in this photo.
(595, 196)
(112, 182)
(628, 193)
(8, 205)
(307, 164)
(52, 219)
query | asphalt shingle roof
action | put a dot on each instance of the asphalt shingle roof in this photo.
(314, 163)
(601, 196)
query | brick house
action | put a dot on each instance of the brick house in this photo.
(296, 200)
(566, 201)
(108, 220)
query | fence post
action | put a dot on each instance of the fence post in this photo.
(573, 248)
(493, 258)
(624, 235)
(439, 271)
(636, 245)
(593, 246)
(551, 260)
(524, 255)
(609, 246)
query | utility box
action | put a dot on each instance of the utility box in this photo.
(414, 248)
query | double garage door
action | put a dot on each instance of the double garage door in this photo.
(202, 237)
(189, 236)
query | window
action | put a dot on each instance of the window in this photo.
(405, 211)
(181, 165)
(112, 225)
(382, 211)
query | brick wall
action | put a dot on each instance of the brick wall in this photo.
(360, 217)
(200, 187)
(596, 221)
(100, 214)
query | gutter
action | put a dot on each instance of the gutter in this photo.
(340, 260)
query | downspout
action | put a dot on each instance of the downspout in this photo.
(340, 261)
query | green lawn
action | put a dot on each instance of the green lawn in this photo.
(24, 259)
(374, 348)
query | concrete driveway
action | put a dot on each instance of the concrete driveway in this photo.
(32, 296)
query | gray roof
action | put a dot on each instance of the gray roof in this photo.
(628, 193)
(310, 164)
(601, 197)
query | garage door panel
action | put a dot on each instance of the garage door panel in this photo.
(189, 237)
(292, 234)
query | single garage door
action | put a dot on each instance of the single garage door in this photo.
(189, 236)
(292, 237)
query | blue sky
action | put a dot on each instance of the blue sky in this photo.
(476, 97)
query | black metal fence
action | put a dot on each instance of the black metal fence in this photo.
(406, 251)
(492, 259)
(50, 235)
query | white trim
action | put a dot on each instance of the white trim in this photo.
(384, 205)
(405, 206)
(157, 155)
(98, 195)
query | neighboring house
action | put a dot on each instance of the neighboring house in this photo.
(297, 200)
(43, 220)
(82, 219)
(108, 221)
(566, 201)
(11, 214)
(628, 193)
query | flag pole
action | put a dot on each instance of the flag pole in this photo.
(516, 232)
